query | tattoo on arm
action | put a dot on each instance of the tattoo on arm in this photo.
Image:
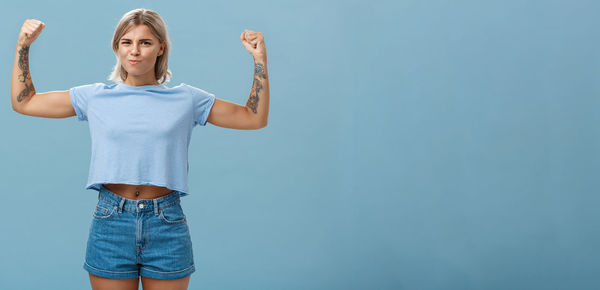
(253, 100)
(25, 77)
(257, 86)
(25, 92)
(259, 70)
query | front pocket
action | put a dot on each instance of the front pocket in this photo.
(101, 212)
(172, 214)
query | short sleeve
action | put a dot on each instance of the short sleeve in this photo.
(80, 97)
(202, 102)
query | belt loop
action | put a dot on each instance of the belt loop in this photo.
(121, 205)
(155, 206)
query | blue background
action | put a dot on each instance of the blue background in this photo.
(410, 145)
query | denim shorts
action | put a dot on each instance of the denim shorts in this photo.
(147, 237)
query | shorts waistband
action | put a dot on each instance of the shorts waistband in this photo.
(141, 204)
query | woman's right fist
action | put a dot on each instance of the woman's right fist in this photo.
(30, 31)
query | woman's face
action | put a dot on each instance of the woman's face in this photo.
(138, 50)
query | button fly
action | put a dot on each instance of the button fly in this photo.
(141, 205)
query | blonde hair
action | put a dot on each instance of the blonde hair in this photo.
(159, 30)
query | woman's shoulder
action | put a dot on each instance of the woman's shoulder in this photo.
(195, 90)
(90, 88)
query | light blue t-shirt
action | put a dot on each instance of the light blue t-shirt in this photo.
(140, 135)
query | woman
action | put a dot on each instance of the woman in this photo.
(140, 131)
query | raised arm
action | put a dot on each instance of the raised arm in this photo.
(25, 100)
(255, 114)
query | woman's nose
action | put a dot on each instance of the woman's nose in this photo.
(135, 50)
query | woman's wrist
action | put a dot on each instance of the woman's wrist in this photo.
(21, 45)
(260, 59)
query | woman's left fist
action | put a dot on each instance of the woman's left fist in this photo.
(254, 42)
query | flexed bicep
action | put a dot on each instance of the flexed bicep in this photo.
(230, 115)
(55, 104)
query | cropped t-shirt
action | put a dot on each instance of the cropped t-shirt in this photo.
(140, 135)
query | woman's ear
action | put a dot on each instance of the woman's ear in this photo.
(162, 49)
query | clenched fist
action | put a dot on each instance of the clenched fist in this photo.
(254, 43)
(29, 32)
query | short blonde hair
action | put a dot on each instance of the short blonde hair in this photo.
(159, 30)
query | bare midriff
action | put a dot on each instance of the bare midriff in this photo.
(137, 191)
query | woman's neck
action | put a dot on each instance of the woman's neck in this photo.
(138, 83)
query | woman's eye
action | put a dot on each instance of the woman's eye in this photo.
(145, 42)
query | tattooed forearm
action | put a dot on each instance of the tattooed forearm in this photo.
(25, 76)
(259, 70)
(253, 100)
(257, 86)
(26, 92)
(24, 64)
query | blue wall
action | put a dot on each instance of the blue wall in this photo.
(410, 145)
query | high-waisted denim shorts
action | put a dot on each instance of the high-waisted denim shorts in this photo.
(147, 237)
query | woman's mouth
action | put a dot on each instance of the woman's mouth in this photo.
(133, 62)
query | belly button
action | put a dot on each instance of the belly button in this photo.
(137, 193)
